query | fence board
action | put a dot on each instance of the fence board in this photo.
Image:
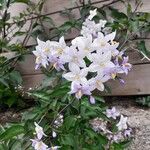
(137, 82)
(53, 6)
(32, 81)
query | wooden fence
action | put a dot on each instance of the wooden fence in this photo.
(138, 80)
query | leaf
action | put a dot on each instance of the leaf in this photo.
(40, 95)
(15, 77)
(70, 121)
(21, 1)
(134, 26)
(142, 47)
(129, 9)
(3, 81)
(10, 101)
(60, 92)
(117, 15)
(11, 132)
(120, 146)
(68, 140)
(3, 147)
(91, 133)
(31, 114)
(19, 33)
(16, 146)
(102, 139)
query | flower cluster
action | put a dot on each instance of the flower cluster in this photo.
(91, 60)
(57, 123)
(37, 143)
(105, 127)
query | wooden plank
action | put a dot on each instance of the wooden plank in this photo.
(27, 66)
(57, 5)
(137, 82)
(32, 81)
(52, 6)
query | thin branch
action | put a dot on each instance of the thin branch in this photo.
(141, 38)
(113, 2)
(62, 110)
(4, 19)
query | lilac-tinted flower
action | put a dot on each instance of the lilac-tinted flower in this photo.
(57, 63)
(80, 89)
(121, 81)
(112, 72)
(99, 125)
(125, 66)
(112, 113)
(117, 137)
(76, 74)
(92, 100)
(122, 123)
(38, 145)
(39, 131)
(127, 133)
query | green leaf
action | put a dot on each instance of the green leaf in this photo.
(68, 140)
(90, 133)
(60, 92)
(134, 26)
(11, 132)
(117, 15)
(102, 139)
(142, 47)
(129, 9)
(21, 1)
(70, 121)
(3, 81)
(3, 147)
(31, 114)
(10, 101)
(40, 95)
(16, 77)
(16, 146)
(19, 33)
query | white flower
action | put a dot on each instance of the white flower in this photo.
(54, 148)
(84, 44)
(54, 134)
(102, 42)
(59, 48)
(92, 14)
(39, 145)
(97, 82)
(39, 131)
(100, 61)
(102, 23)
(74, 56)
(79, 89)
(122, 123)
(112, 113)
(41, 53)
(76, 74)
(117, 137)
(92, 100)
